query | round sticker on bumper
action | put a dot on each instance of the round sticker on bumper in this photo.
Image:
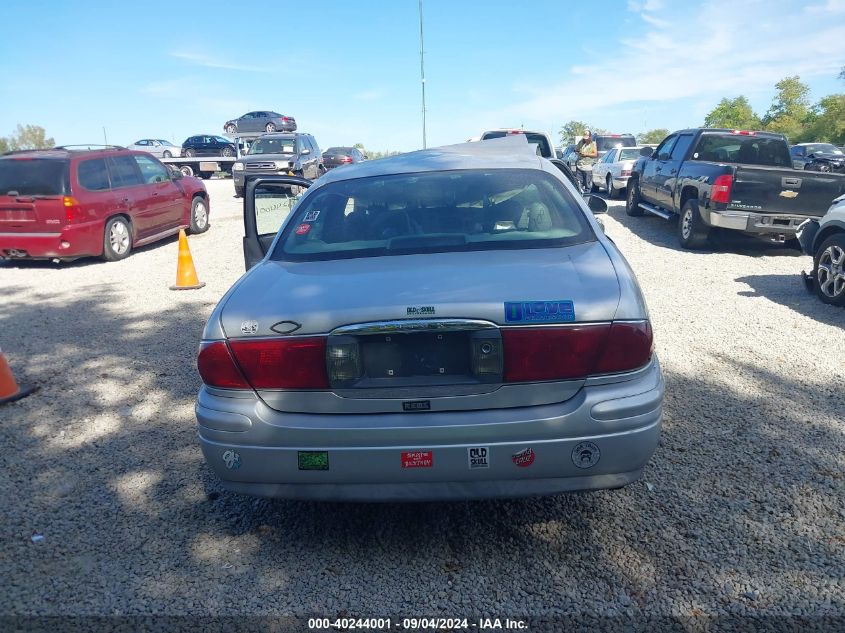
(585, 455)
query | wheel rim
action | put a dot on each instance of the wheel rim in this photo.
(167, 154)
(231, 129)
(686, 224)
(119, 237)
(200, 214)
(270, 127)
(831, 271)
(186, 170)
(227, 152)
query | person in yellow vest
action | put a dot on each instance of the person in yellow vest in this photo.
(587, 154)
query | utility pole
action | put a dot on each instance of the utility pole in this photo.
(105, 138)
(422, 73)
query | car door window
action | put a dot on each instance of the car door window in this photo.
(152, 171)
(93, 174)
(272, 207)
(664, 150)
(124, 171)
(679, 151)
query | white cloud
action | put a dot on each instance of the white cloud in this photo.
(208, 61)
(369, 95)
(830, 6)
(700, 54)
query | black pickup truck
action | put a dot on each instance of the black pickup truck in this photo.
(731, 179)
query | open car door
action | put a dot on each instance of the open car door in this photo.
(268, 201)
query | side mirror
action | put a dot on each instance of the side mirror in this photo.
(305, 152)
(175, 172)
(597, 205)
(646, 151)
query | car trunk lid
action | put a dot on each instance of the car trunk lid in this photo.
(408, 333)
(324, 295)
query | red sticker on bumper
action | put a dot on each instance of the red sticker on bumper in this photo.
(523, 458)
(417, 459)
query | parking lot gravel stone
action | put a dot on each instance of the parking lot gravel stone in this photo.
(740, 511)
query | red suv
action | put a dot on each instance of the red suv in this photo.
(64, 203)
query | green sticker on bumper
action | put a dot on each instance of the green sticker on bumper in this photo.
(313, 460)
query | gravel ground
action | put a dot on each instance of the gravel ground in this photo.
(741, 511)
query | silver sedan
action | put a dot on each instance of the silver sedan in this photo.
(450, 323)
(158, 147)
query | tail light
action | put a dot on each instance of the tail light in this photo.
(721, 190)
(265, 364)
(744, 132)
(217, 367)
(626, 172)
(343, 359)
(541, 353)
(73, 210)
(346, 159)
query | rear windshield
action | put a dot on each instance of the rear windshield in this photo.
(338, 150)
(433, 212)
(34, 176)
(607, 143)
(273, 146)
(746, 150)
(629, 154)
(539, 141)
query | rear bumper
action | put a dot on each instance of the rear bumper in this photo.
(601, 438)
(72, 241)
(759, 223)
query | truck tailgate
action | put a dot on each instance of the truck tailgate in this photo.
(778, 190)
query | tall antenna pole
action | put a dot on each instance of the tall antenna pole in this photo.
(422, 73)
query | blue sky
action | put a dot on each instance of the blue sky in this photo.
(349, 71)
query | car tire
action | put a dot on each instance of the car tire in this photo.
(231, 129)
(632, 200)
(228, 151)
(270, 127)
(199, 216)
(117, 239)
(692, 232)
(829, 270)
(186, 170)
(611, 192)
(190, 153)
(167, 154)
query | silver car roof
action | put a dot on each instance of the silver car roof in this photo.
(510, 152)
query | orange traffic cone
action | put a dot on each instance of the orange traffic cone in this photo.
(9, 390)
(186, 274)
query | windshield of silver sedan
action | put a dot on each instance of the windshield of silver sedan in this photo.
(433, 212)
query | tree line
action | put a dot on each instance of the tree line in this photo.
(791, 113)
(26, 137)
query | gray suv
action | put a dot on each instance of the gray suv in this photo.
(294, 154)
